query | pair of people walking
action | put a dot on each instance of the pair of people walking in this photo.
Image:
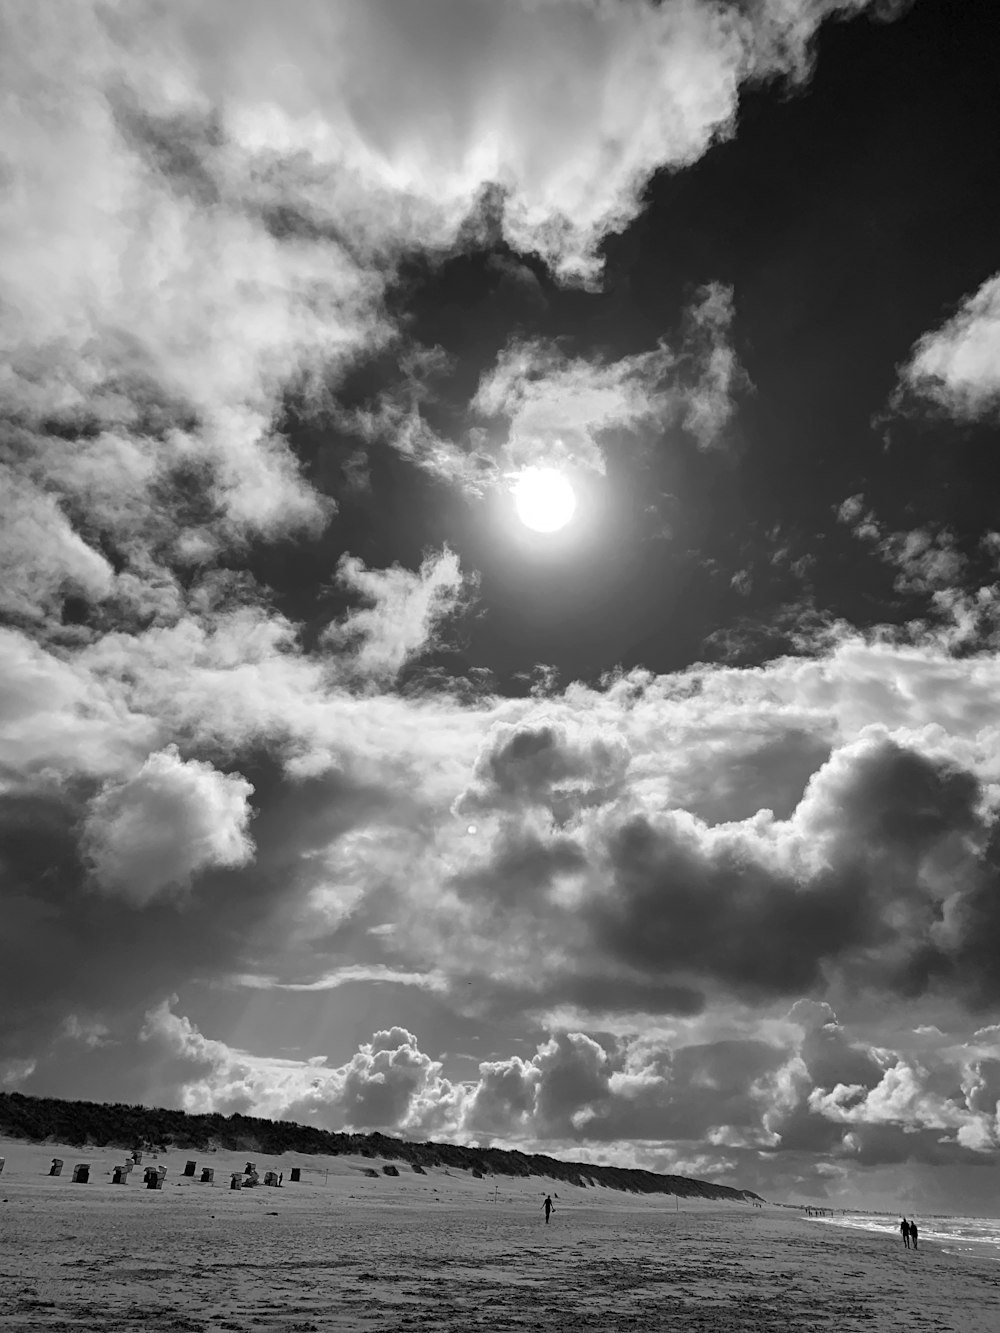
(909, 1232)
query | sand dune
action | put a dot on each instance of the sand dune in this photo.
(342, 1250)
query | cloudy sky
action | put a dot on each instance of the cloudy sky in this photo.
(332, 788)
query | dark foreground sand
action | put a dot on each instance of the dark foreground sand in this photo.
(433, 1253)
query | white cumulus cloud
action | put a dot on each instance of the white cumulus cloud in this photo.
(153, 832)
(957, 366)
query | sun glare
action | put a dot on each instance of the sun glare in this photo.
(544, 499)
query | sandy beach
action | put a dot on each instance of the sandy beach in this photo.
(341, 1250)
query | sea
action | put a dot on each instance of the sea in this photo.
(968, 1236)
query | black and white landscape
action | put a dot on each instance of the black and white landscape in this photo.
(500, 627)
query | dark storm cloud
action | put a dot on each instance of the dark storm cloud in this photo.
(673, 907)
(521, 869)
(757, 916)
(881, 872)
(828, 1056)
(522, 766)
(961, 953)
(826, 1059)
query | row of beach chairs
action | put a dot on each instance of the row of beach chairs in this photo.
(153, 1176)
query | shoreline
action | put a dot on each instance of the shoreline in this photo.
(986, 1250)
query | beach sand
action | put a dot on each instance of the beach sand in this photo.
(343, 1251)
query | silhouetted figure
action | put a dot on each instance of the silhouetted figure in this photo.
(904, 1228)
(913, 1234)
(281, 1177)
(548, 1206)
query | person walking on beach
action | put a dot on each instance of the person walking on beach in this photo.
(913, 1234)
(548, 1206)
(904, 1228)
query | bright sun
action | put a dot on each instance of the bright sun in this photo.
(544, 499)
